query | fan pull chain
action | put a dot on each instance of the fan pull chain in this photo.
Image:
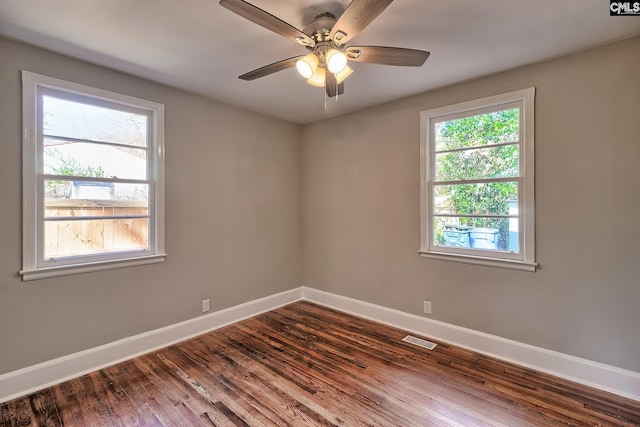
(325, 101)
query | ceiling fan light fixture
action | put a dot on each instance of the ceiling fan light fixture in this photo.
(343, 74)
(318, 77)
(336, 61)
(307, 65)
(325, 37)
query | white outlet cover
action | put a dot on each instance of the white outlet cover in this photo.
(427, 307)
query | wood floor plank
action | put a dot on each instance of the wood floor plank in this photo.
(372, 393)
(44, 409)
(308, 390)
(18, 413)
(69, 409)
(286, 389)
(124, 407)
(367, 378)
(195, 375)
(297, 374)
(154, 406)
(386, 361)
(285, 397)
(162, 396)
(307, 365)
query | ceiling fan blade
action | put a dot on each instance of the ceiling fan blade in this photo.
(270, 69)
(387, 55)
(331, 85)
(355, 18)
(267, 20)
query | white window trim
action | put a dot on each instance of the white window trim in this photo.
(32, 267)
(525, 261)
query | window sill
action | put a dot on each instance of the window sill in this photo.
(484, 261)
(67, 270)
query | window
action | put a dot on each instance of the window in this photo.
(477, 188)
(93, 179)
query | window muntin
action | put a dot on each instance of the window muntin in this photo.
(477, 171)
(93, 178)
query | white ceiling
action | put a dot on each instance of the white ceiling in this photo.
(202, 47)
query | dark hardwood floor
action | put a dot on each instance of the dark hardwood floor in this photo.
(305, 365)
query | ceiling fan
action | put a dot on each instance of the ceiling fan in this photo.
(325, 37)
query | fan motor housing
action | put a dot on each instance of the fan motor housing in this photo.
(320, 27)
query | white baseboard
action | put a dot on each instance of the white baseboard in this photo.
(33, 378)
(605, 377)
(594, 374)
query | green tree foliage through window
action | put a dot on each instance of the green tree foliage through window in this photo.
(498, 127)
(69, 167)
(479, 147)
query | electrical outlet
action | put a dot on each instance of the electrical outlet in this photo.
(427, 307)
(205, 305)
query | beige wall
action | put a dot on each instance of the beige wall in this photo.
(232, 210)
(361, 211)
(236, 181)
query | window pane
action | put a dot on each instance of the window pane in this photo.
(91, 193)
(475, 199)
(94, 160)
(72, 119)
(476, 233)
(492, 128)
(88, 237)
(480, 163)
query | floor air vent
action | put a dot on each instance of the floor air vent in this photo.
(419, 341)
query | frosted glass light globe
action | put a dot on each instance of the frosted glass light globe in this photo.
(336, 61)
